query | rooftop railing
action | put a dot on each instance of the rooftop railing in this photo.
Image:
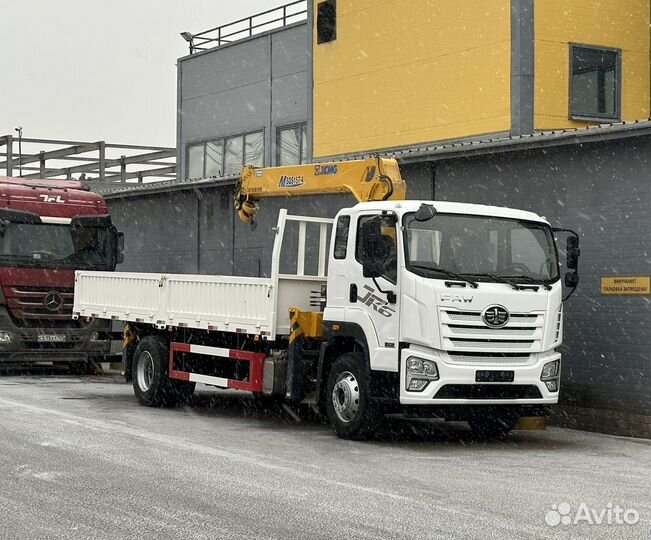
(249, 26)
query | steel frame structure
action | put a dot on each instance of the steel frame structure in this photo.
(94, 162)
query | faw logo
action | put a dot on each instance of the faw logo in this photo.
(461, 298)
(378, 304)
(52, 198)
(290, 181)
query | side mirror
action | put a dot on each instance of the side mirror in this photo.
(371, 237)
(572, 252)
(571, 280)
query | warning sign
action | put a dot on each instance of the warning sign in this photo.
(626, 286)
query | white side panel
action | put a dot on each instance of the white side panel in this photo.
(225, 303)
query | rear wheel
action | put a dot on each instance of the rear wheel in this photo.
(352, 413)
(151, 383)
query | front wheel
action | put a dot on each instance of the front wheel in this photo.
(151, 383)
(352, 413)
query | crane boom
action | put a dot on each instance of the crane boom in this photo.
(373, 179)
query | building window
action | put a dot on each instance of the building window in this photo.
(595, 83)
(326, 21)
(292, 145)
(225, 157)
(195, 161)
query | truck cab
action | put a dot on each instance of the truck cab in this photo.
(458, 305)
(49, 229)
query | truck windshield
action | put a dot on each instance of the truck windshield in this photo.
(482, 248)
(56, 246)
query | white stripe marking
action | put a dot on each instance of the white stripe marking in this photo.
(210, 351)
(205, 379)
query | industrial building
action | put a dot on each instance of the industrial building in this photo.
(535, 104)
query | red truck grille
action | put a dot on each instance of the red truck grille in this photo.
(39, 303)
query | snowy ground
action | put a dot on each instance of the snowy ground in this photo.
(80, 459)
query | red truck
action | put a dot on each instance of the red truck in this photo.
(49, 229)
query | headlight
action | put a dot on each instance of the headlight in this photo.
(552, 386)
(5, 337)
(549, 375)
(420, 373)
(550, 370)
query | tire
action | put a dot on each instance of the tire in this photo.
(493, 426)
(151, 383)
(352, 413)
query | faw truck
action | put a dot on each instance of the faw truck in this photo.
(49, 229)
(421, 308)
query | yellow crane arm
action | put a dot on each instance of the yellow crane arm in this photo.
(373, 179)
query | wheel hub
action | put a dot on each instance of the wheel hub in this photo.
(145, 371)
(345, 396)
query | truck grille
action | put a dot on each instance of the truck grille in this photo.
(470, 358)
(27, 304)
(467, 339)
(488, 391)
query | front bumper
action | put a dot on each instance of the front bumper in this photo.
(77, 343)
(457, 385)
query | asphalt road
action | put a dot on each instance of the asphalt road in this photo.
(80, 459)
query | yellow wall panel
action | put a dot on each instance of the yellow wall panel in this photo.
(405, 72)
(621, 24)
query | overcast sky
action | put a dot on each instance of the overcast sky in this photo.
(100, 69)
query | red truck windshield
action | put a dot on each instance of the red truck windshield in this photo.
(47, 245)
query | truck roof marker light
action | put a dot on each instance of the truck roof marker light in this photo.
(336, 327)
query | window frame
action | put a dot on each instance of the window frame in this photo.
(616, 117)
(295, 125)
(204, 142)
(358, 236)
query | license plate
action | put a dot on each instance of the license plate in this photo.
(494, 376)
(50, 338)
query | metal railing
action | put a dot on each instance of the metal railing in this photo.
(96, 161)
(260, 22)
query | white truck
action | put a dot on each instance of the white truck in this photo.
(425, 308)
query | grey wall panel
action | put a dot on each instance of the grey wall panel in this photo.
(229, 67)
(289, 99)
(288, 51)
(227, 113)
(601, 191)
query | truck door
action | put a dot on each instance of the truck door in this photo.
(373, 302)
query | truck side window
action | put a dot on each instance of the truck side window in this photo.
(389, 251)
(341, 237)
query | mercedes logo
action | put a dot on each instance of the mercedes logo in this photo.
(53, 301)
(496, 316)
